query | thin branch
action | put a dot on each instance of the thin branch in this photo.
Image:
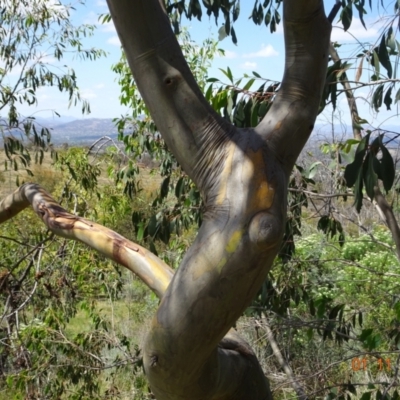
(394, 380)
(386, 212)
(349, 95)
(292, 115)
(322, 196)
(334, 11)
(282, 362)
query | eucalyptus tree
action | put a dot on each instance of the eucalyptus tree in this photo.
(242, 175)
(191, 352)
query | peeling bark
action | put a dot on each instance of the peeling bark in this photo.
(147, 266)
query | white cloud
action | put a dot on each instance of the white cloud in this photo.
(248, 65)
(92, 18)
(355, 32)
(108, 27)
(101, 3)
(88, 94)
(266, 51)
(114, 40)
(229, 54)
(99, 86)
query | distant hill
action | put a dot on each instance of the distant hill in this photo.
(83, 131)
(73, 131)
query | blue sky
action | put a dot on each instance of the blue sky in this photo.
(257, 50)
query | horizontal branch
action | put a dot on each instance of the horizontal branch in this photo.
(360, 85)
(148, 267)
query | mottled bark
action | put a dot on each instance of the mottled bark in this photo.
(242, 174)
(154, 272)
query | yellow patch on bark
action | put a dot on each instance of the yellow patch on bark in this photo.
(225, 173)
(230, 247)
(234, 241)
(262, 194)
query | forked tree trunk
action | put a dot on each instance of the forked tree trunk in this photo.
(191, 353)
(242, 174)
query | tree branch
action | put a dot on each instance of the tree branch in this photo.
(351, 101)
(385, 210)
(334, 11)
(236, 359)
(189, 125)
(383, 207)
(293, 113)
(148, 267)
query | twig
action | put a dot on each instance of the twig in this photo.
(334, 11)
(396, 373)
(282, 362)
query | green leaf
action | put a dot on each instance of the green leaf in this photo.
(384, 57)
(153, 226)
(375, 63)
(335, 310)
(369, 175)
(267, 18)
(387, 167)
(365, 334)
(351, 388)
(165, 187)
(249, 84)
(347, 15)
(140, 233)
(352, 170)
(377, 97)
(323, 223)
(234, 37)
(236, 11)
(358, 194)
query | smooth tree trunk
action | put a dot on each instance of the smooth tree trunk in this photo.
(192, 352)
(242, 175)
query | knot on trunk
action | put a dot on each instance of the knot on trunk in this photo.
(265, 230)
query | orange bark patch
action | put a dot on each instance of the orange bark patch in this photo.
(261, 192)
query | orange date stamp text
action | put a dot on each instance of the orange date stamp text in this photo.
(361, 364)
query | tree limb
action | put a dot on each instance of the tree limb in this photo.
(148, 267)
(385, 210)
(153, 271)
(293, 112)
(351, 101)
(189, 125)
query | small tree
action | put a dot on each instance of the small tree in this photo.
(34, 37)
